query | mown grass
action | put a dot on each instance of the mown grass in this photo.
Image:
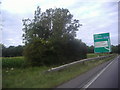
(35, 77)
(91, 55)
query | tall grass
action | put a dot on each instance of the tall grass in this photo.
(12, 62)
(34, 77)
(17, 62)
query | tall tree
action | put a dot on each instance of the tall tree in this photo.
(50, 37)
(54, 24)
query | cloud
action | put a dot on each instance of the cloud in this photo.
(96, 17)
(105, 20)
(12, 28)
(19, 6)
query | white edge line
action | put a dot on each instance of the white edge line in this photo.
(91, 81)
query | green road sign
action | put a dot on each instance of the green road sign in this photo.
(102, 43)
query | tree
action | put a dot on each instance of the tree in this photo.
(90, 49)
(11, 51)
(114, 48)
(49, 35)
(118, 48)
(54, 24)
(1, 49)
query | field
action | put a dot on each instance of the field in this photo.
(12, 62)
(18, 62)
(35, 77)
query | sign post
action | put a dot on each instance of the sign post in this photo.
(102, 43)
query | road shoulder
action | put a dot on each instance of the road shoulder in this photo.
(81, 80)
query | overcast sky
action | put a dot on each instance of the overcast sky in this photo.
(96, 17)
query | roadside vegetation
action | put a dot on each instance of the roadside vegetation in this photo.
(19, 62)
(13, 62)
(15, 51)
(91, 55)
(50, 38)
(35, 77)
(50, 41)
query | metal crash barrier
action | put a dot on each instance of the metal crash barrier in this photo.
(77, 62)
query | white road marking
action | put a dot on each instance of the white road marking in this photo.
(91, 81)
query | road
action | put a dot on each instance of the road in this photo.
(107, 78)
(103, 76)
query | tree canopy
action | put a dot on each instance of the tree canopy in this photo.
(53, 24)
(11, 51)
(50, 37)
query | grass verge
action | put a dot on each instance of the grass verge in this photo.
(91, 55)
(35, 77)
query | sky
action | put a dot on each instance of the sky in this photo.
(96, 16)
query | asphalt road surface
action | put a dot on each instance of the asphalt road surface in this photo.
(107, 78)
(102, 76)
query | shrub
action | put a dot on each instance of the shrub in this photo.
(39, 53)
